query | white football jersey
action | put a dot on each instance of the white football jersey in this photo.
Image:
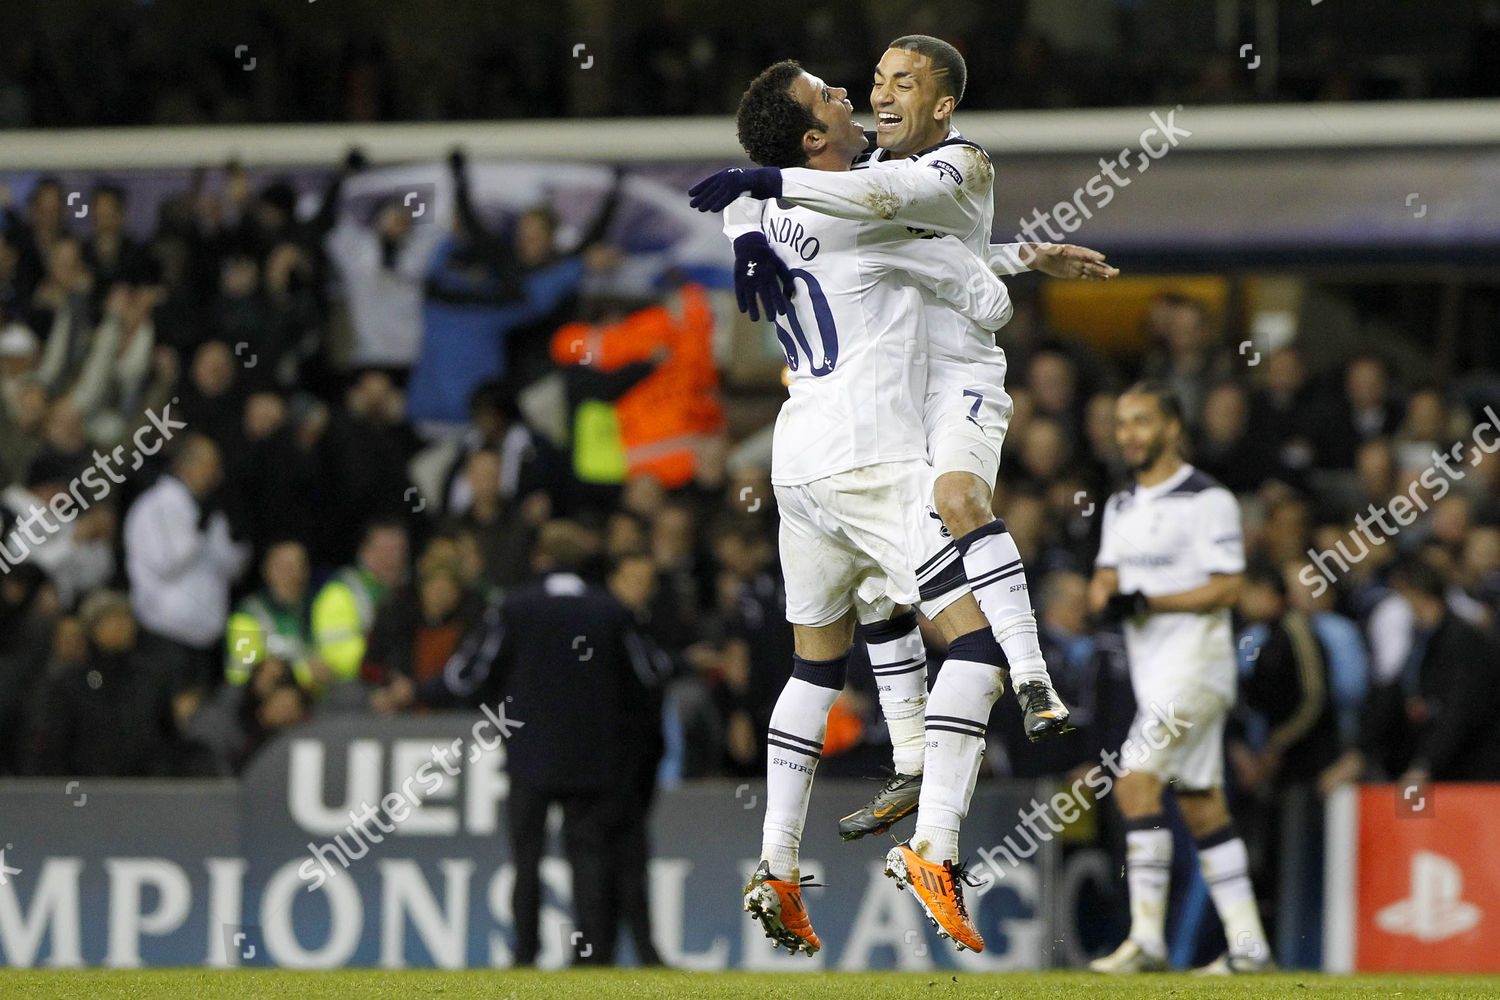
(1167, 539)
(856, 343)
(945, 189)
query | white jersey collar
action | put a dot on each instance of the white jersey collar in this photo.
(1167, 485)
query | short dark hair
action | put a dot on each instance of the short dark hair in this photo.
(948, 67)
(770, 122)
(500, 395)
(45, 181)
(1166, 397)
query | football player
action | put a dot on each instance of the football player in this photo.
(852, 479)
(919, 175)
(1171, 559)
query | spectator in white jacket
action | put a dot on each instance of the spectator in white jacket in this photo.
(181, 560)
(383, 266)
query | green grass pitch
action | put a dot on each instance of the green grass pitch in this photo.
(372, 984)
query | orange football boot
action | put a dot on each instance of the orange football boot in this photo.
(940, 890)
(777, 904)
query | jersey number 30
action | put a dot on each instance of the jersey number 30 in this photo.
(795, 339)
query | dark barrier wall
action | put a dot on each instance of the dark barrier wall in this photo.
(126, 873)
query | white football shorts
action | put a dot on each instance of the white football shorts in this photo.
(867, 539)
(1180, 737)
(966, 414)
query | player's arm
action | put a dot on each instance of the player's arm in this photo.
(942, 194)
(1011, 258)
(952, 272)
(1059, 260)
(947, 194)
(1104, 585)
(1107, 603)
(1221, 591)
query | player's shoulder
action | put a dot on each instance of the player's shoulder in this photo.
(961, 160)
(954, 145)
(1197, 481)
(1202, 489)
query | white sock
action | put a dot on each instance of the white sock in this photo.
(794, 743)
(957, 712)
(1226, 868)
(993, 565)
(1148, 871)
(899, 661)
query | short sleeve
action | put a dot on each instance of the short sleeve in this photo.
(1220, 537)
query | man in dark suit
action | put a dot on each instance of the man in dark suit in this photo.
(566, 662)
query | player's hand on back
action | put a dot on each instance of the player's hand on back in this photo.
(714, 193)
(761, 280)
(1066, 260)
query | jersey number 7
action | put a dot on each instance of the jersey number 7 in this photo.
(827, 334)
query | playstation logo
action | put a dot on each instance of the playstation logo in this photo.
(1435, 910)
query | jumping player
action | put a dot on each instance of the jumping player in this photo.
(852, 481)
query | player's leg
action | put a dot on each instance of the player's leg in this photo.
(794, 743)
(820, 570)
(1222, 857)
(799, 722)
(1148, 870)
(966, 428)
(958, 710)
(1179, 738)
(898, 658)
(916, 557)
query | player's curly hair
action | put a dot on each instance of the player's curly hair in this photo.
(949, 71)
(770, 122)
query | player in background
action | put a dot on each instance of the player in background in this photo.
(1170, 564)
(851, 476)
(966, 411)
(926, 177)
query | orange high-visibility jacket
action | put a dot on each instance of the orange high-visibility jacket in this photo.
(665, 417)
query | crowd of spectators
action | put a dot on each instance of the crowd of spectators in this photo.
(220, 517)
(173, 63)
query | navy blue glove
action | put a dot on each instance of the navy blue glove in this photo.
(713, 194)
(761, 278)
(1120, 607)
